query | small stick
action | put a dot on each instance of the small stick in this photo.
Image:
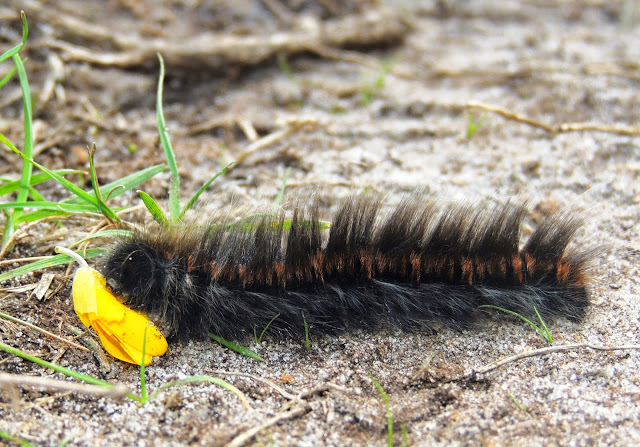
(543, 351)
(116, 391)
(511, 115)
(560, 128)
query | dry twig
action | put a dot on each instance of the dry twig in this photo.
(558, 128)
(116, 391)
(543, 351)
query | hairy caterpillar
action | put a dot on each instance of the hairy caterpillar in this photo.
(420, 265)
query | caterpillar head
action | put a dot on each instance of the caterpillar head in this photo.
(137, 274)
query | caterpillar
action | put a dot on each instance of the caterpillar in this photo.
(421, 265)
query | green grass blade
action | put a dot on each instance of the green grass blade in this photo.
(64, 182)
(516, 314)
(202, 189)
(280, 196)
(387, 407)
(35, 195)
(41, 214)
(207, 379)
(60, 206)
(547, 332)
(143, 382)
(49, 262)
(239, 349)
(8, 76)
(517, 403)
(174, 190)
(114, 189)
(307, 340)
(8, 437)
(25, 32)
(110, 190)
(27, 168)
(154, 209)
(104, 208)
(61, 369)
(259, 339)
(322, 225)
(405, 435)
(473, 124)
(8, 228)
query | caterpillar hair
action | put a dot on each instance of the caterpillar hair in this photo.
(419, 266)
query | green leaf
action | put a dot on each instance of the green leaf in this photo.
(154, 209)
(239, 349)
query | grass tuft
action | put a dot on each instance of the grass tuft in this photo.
(542, 329)
(257, 339)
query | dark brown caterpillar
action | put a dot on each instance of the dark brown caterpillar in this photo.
(420, 265)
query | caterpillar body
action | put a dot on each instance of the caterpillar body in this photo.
(421, 265)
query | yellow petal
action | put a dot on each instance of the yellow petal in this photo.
(120, 329)
(84, 295)
(118, 349)
(128, 325)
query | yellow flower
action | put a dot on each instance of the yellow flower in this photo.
(121, 329)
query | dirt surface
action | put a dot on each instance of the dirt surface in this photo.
(238, 71)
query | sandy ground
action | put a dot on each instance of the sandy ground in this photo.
(553, 62)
